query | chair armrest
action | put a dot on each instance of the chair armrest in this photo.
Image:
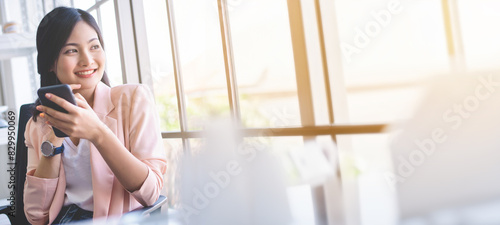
(136, 216)
(155, 208)
(5, 209)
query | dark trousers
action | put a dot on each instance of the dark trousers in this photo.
(72, 213)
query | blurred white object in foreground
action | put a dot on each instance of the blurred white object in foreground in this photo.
(231, 182)
(447, 158)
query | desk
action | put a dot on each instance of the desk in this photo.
(300, 204)
(170, 218)
(482, 213)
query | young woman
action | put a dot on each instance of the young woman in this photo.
(113, 160)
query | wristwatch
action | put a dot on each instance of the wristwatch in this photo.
(48, 149)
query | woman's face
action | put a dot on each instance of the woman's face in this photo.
(82, 59)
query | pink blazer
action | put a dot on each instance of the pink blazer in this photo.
(129, 111)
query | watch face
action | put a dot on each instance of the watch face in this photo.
(47, 148)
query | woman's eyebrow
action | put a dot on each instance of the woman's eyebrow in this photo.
(93, 39)
(75, 44)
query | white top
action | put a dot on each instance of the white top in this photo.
(76, 161)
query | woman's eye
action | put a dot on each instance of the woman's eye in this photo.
(70, 51)
(95, 47)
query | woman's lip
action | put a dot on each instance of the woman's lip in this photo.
(87, 75)
(85, 70)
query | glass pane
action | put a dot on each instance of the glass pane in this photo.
(173, 148)
(202, 64)
(84, 4)
(478, 20)
(387, 47)
(66, 3)
(160, 56)
(383, 105)
(264, 63)
(110, 35)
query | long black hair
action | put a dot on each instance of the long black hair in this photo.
(52, 34)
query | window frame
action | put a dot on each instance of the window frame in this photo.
(135, 66)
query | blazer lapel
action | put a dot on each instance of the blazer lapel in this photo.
(102, 176)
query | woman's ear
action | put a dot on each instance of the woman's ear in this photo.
(53, 68)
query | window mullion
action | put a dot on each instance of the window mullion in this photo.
(293, 131)
(179, 87)
(229, 61)
(141, 43)
(304, 92)
(301, 63)
(326, 75)
(453, 35)
(99, 19)
(97, 5)
(126, 39)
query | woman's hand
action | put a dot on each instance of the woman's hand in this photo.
(49, 133)
(80, 121)
(48, 167)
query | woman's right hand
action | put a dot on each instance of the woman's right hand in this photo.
(49, 132)
(48, 167)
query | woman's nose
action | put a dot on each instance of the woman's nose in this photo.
(86, 59)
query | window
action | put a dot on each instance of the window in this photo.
(201, 62)
(477, 23)
(107, 21)
(161, 64)
(263, 63)
(388, 51)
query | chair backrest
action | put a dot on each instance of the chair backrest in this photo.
(25, 113)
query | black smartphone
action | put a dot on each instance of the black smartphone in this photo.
(61, 90)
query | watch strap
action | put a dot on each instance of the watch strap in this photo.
(58, 150)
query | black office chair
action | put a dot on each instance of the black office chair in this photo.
(20, 168)
(19, 217)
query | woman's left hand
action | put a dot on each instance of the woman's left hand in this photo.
(80, 121)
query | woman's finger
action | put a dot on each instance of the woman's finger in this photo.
(60, 101)
(75, 86)
(54, 113)
(54, 122)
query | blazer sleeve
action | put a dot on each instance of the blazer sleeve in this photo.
(146, 144)
(38, 192)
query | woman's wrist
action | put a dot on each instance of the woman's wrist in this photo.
(100, 134)
(48, 167)
(56, 141)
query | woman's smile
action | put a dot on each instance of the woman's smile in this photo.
(86, 73)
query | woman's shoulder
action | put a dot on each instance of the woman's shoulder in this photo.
(131, 91)
(130, 88)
